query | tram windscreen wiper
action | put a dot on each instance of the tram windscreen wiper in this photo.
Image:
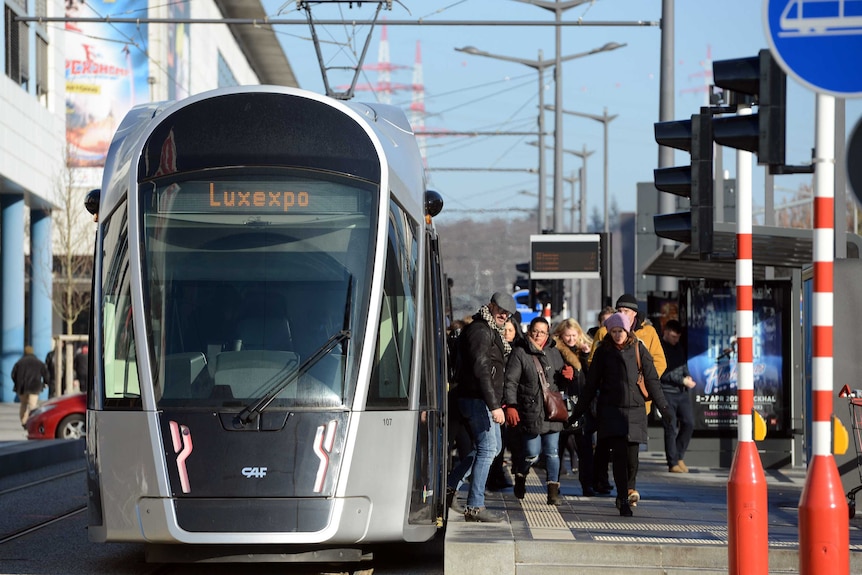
(251, 411)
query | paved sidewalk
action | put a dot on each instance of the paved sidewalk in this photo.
(10, 424)
(679, 526)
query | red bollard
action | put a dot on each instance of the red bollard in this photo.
(824, 537)
(747, 513)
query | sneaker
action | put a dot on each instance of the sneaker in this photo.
(482, 515)
(634, 497)
(676, 469)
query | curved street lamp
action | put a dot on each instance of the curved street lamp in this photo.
(540, 64)
(605, 119)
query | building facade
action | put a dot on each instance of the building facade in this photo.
(66, 86)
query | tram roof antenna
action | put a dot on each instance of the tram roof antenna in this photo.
(324, 69)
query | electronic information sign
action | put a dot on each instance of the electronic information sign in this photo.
(564, 256)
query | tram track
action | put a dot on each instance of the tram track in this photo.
(41, 525)
(38, 501)
(42, 481)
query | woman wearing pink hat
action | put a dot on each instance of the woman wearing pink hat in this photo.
(620, 408)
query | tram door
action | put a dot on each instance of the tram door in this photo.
(429, 466)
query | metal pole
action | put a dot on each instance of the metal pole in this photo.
(824, 537)
(605, 123)
(666, 202)
(582, 283)
(747, 512)
(542, 193)
(558, 125)
(573, 229)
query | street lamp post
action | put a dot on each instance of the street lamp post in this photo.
(540, 65)
(558, 7)
(605, 119)
(583, 154)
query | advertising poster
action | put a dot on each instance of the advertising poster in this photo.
(712, 357)
(106, 74)
(179, 64)
(661, 307)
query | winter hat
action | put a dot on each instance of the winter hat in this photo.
(627, 300)
(619, 320)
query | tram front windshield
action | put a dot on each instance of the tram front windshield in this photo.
(246, 279)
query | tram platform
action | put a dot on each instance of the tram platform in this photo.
(679, 526)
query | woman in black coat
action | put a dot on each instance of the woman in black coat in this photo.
(525, 406)
(575, 346)
(621, 407)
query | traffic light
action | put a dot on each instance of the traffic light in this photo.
(694, 182)
(762, 133)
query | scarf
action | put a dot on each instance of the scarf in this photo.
(570, 356)
(489, 319)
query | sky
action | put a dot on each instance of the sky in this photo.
(466, 92)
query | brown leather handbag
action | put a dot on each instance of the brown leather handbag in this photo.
(641, 381)
(555, 407)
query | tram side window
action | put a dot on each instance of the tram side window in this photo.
(120, 377)
(390, 377)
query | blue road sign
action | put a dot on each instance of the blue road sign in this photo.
(818, 42)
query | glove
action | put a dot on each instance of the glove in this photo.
(512, 417)
(568, 372)
(575, 423)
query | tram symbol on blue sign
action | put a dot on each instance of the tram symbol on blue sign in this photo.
(818, 42)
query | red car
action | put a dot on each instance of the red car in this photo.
(59, 418)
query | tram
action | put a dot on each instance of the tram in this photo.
(269, 378)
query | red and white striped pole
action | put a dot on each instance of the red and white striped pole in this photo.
(747, 513)
(824, 533)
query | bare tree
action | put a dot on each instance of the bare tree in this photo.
(73, 246)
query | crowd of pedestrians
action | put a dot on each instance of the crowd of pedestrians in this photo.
(611, 375)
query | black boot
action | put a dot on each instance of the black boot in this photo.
(553, 493)
(625, 510)
(452, 500)
(520, 485)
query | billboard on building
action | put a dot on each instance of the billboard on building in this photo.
(106, 74)
(179, 48)
(710, 318)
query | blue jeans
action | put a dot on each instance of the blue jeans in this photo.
(487, 443)
(547, 444)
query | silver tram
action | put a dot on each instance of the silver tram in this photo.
(268, 327)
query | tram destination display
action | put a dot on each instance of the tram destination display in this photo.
(261, 197)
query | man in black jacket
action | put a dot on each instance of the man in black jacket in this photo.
(675, 383)
(479, 391)
(29, 375)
